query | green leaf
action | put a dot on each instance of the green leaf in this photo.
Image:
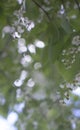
(66, 25)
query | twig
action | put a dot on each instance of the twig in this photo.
(42, 9)
(63, 4)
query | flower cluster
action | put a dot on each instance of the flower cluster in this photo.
(19, 25)
(69, 55)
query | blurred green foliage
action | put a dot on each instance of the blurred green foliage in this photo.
(56, 24)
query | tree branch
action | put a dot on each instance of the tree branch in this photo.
(77, 3)
(42, 9)
(5, 47)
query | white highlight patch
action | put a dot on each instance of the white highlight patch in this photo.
(39, 44)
